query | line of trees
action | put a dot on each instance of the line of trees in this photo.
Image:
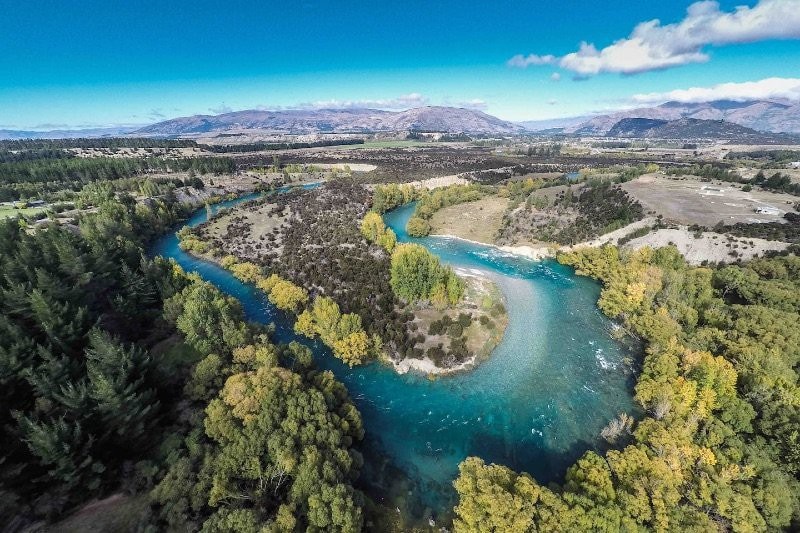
(387, 197)
(342, 333)
(40, 177)
(264, 146)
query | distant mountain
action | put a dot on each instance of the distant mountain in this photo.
(635, 127)
(692, 128)
(65, 134)
(761, 115)
(553, 123)
(432, 118)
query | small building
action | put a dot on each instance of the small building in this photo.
(794, 164)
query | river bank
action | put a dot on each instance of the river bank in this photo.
(535, 253)
(536, 404)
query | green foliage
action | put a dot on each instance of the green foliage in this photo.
(387, 197)
(418, 227)
(300, 444)
(81, 394)
(519, 190)
(210, 321)
(273, 449)
(374, 230)
(435, 199)
(287, 296)
(31, 178)
(719, 386)
(341, 332)
(417, 274)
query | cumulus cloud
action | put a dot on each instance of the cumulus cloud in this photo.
(401, 102)
(475, 103)
(769, 88)
(654, 46)
(555, 76)
(522, 61)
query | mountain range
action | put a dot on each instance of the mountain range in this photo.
(694, 128)
(65, 133)
(723, 119)
(431, 118)
(760, 115)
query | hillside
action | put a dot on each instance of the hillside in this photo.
(432, 118)
(770, 116)
(690, 128)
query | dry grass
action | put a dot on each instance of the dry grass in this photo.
(477, 221)
(261, 224)
(692, 201)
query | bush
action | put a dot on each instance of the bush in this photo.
(455, 330)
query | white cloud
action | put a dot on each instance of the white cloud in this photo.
(522, 61)
(401, 102)
(555, 76)
(788, 88)
(653, 46)
(475, 103)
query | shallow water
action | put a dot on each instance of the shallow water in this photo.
(539, 402)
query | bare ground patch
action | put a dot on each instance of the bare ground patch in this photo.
(707, 246)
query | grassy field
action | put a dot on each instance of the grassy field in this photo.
(8, 212)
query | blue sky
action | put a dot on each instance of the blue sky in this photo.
(91, 63)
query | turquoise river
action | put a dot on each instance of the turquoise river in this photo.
(538, 403)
